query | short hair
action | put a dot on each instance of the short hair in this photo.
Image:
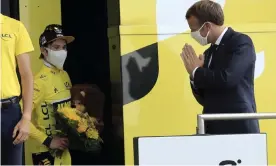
(206, 11)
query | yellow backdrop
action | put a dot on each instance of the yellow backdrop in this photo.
(36, 15)
(169, 107)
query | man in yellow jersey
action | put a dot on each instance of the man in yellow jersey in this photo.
(51, 90)
(15, 46)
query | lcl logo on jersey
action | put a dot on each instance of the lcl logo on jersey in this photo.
(5, 36)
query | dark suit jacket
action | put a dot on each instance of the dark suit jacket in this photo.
(227, 86)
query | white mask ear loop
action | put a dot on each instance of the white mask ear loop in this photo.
(47, 49)
(202, 27)
(209, 29)
(46, 58)
(207, 34)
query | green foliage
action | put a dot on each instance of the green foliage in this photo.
(77, 141)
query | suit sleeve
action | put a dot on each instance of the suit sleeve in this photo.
(197, 94)
(39, 93)
(243, 56)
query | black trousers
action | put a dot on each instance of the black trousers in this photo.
(10, 116)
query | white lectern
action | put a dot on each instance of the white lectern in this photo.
(236, 149)
(242, 149)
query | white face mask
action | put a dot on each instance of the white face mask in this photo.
(200, 39)
(56, 58)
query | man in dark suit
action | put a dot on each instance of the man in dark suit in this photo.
(222, 79)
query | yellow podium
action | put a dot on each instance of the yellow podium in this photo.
(145, 59)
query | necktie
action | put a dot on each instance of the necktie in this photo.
(211, 52)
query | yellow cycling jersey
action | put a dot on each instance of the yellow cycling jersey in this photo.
(51, 90)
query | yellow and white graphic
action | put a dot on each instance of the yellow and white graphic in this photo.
(170, 17)
(156, 91)
(170, 22)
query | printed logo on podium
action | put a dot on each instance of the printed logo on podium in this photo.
(230, 162)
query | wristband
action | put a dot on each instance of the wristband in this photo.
(48, 141)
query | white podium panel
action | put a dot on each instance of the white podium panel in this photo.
(240, 149)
